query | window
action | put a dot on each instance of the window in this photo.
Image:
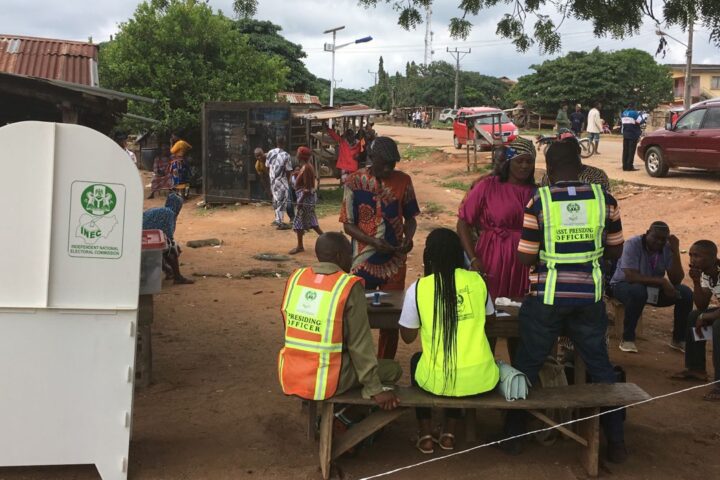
(712, 119)
(691, 120)
(715, 83)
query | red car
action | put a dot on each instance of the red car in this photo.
(694, 142)
(460, 130)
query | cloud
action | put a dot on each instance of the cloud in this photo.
(304, 21)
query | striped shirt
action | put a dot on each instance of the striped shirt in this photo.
(575, 284)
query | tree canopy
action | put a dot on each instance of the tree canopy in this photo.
(615, 18)
(182, 53)
(613, 78)
(265, 37)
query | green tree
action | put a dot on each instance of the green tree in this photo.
(265, 37)
(614, 78)
(615, 18)
(181, 53)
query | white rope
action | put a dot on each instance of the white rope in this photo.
(497, 442)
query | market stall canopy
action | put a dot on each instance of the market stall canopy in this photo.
(357, 110)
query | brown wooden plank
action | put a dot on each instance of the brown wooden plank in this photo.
(552, 423)
(590, 430)
(312, 418)
(360, 431)
(326, 426)
(573, 396)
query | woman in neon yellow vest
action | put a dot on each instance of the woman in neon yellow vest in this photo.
(448, 306)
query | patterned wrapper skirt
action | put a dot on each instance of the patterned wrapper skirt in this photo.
(305, 218)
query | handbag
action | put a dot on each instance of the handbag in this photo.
(513, 384)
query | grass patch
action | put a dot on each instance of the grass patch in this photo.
(535, 131)
(411, 152)
(456, 185)
(329, 201)
(432, 208)
(616, 184)
(441, 125)
(203, 212)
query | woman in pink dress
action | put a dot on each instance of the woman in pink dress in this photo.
(495, 208)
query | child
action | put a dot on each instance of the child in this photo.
(304, 186)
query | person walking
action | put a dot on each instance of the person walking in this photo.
(630, 121)
(568, 229)
(562, 121)
(595, 125)
(279, 167)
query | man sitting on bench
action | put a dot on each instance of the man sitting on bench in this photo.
(328, 346)
(568, 228)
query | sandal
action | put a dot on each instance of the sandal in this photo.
(443, 436)
(713, 395)
(690, 375)
(422, 439)
(295, 251)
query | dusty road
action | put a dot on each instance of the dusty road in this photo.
(610, 159)
(215, 410)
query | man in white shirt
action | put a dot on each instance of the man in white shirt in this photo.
(595, 125)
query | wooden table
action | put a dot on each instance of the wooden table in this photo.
(387, 316)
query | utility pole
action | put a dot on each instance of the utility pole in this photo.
(687, 100)
(374, 74)
(457, 55)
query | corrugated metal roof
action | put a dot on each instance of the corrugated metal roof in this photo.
(357, 110)
(301, 98)
(66, 60)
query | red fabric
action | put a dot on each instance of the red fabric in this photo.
(346, 154)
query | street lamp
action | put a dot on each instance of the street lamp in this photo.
(687, 95)
(331, 47)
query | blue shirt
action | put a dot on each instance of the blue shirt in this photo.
(636, 256)
(631, 120)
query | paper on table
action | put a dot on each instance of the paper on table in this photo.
(372, 294)
(500, 313)
(706, 334)
(506, 302)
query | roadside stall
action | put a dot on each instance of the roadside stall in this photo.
(478, 137)
(68, 297)
(325, 149)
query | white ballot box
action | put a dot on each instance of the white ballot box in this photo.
(71, 214)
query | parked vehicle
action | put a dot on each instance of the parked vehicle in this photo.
(448, 115)
(693, 142)
(587, 147)
(460, 131)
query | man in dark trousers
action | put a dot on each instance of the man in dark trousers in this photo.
(567, 231)
(630, 120)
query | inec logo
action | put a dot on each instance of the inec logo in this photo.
(310, 296)
(98, 200)
(573, 207)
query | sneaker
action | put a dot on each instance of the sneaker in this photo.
(627, 346)
(616, 452)
(679, 346)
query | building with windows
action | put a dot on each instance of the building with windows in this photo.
(705, 81)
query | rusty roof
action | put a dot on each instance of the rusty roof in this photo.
(302, 98)
(65, 60)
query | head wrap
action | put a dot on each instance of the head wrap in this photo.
(520, 146)
(386, 148)
(174, 202)
(303, 153)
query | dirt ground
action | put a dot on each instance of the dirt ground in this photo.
(215, 409)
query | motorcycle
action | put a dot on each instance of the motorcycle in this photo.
(587, 148)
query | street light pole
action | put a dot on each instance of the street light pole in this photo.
(332, 71)
(687, 100)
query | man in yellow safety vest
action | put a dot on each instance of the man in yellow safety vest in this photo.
(328, 345)
(567, 229)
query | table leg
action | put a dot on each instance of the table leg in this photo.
(326, 426)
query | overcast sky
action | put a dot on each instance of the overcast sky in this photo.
(303, 21)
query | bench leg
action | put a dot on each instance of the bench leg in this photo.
(311, 420)
(590, 431)
(470, 425)
(326, 426)
(363, 429)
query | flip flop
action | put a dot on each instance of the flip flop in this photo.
(690, 375)
(295, 251)
(422, 439)
(713, 395)
(440, 439)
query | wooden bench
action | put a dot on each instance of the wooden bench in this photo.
(587, 398)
